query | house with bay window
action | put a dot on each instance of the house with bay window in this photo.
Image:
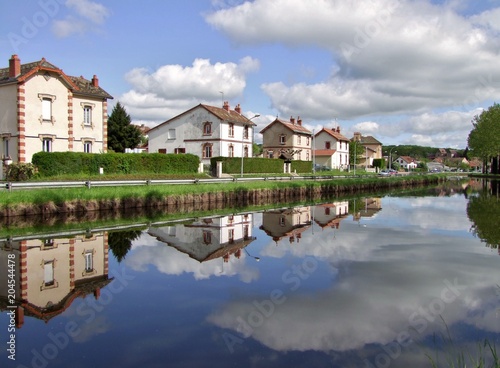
(44, 109)
(205, 131)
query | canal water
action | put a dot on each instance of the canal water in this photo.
(406, 280)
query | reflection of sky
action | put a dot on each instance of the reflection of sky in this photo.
(346, 294)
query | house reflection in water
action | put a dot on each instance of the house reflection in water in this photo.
(209, 238)
(330, 214)
(367, 207)
(52, 272)
(286, 223)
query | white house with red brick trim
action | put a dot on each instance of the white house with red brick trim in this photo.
(44, 109)
(205, 131)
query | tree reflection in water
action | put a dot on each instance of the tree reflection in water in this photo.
(483, 210)
(120, 242)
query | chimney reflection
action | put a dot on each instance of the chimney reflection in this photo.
(50, 273)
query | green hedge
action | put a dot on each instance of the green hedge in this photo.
(61, 163)
(258, 165)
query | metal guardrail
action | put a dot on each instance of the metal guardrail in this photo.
(108, 183)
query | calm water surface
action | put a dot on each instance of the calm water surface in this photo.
(373, 282)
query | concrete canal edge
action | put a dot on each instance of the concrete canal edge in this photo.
(222, 199)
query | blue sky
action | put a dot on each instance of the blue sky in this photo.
(406, 72)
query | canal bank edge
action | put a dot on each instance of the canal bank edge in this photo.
(229, 197)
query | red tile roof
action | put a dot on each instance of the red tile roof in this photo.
(230, 116)
(78, 85)
(296, 128)
(324, 152)
(335, 134)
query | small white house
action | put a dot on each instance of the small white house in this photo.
(331, 148)
(205, 131)
(406, 162)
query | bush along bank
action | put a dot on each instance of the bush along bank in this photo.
(231, 195)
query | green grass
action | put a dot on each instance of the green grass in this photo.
(61, 195)
(484, 356)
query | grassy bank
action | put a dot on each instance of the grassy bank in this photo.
(45, 201)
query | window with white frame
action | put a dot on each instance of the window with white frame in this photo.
(245, 151)
(87, 115)
(48, 273)
(231, 150)
(6, 147)
(46, 109)
(245, 132)
(231, 129)
(282, 139)
(171, 134)
(299, 139)
(47, 144)
(89, 261)
(87, 146)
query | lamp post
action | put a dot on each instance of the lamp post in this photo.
(313, 153)
(355, 155)
(256, 258)
(243, 143)
(390, 157)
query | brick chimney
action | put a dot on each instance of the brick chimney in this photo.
(338, 129)
(357, 136)
(226, 105)
(238, 109)
(95, 81)
(299, 120)
(292, 120)
(14, 66)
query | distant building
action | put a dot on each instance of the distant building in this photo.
(288, 140)
(372, 149)
(406, 162)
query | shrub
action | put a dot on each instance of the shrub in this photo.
(20, 171)
(60, 163)
(258, 165)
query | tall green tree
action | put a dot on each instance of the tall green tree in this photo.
(121, 133)
(484, 138)
(355, 150)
